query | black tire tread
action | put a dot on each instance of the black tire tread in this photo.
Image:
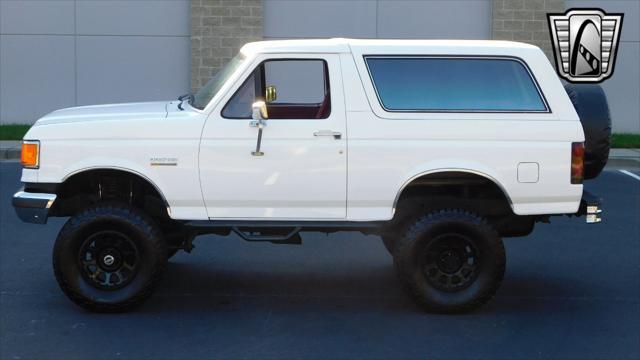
(431, 219)
(137, 219)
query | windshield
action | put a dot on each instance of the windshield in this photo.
(209, 90)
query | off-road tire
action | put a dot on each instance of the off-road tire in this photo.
(105, 217)
(490, 262)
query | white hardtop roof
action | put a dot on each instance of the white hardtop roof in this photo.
(390, 46)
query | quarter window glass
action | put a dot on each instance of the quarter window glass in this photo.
(450, 84)
(240, 104)
(301, 88)
(211, 88)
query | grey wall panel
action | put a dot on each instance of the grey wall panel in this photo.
(55, 66)
(151, 17)
(630, 8)
(36, 17)
(623, 89)
(316, 18)
(125, 69)
(468, 19)
(36, 76)
(434, 19)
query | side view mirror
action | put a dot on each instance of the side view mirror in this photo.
(259, 111)
(270, 94)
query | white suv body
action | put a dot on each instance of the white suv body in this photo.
(201, 163)
(439, 147)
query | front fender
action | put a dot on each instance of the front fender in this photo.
(176, 180)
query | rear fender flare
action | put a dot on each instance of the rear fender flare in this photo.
(477, 169)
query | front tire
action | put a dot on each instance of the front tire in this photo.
(109, 257)
(450, 261)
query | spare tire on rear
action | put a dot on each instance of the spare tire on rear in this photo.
(591, 105)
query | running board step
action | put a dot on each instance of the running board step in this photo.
(275, 235)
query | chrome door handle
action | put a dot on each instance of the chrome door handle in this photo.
(336, 135)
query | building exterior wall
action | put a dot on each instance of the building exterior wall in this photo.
(218, 29)
(525, 21)
(63, 53)
(390, 19)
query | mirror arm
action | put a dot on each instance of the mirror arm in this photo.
(259, 114)
(258, 152)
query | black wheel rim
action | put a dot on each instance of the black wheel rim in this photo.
(450, 262)
(108, 260)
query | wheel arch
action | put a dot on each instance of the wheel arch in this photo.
(424, 174)
(123, 170)
(117, 171)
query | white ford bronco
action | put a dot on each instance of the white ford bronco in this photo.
(441, 148)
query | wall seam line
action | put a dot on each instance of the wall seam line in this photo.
(377, 16)
(75, 52)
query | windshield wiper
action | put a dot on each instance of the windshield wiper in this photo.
(184, 97)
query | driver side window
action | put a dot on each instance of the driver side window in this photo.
(301, 88)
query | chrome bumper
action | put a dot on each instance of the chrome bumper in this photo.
(33, 207)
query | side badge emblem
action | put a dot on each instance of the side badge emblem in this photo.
(163, 161)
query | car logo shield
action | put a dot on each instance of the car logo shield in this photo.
(585, 43)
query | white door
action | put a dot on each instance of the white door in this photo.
(302, 174)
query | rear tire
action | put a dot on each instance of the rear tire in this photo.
(450, 261)
(109, 257)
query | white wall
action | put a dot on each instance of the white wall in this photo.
(61, 53)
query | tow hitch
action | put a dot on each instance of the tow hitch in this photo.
(590, 207)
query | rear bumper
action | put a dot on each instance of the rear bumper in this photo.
(591, 208)
(33, 207)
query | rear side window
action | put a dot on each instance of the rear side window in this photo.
(454, 84)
